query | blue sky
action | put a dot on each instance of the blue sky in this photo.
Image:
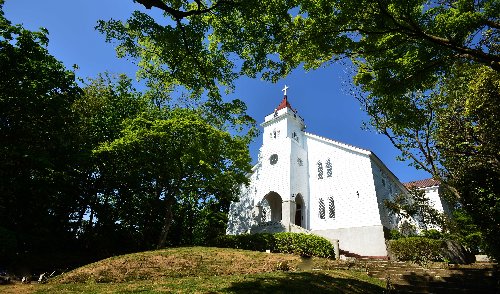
(321, 97)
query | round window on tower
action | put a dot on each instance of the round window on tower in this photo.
(273, 159)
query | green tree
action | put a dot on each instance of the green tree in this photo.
(464, 230)
(167, 157)
(469, 143)
(106, 102)
(38, 178)
(123, 200)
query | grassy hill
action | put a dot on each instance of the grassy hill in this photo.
(207, 270)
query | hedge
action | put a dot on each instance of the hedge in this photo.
(420, 250)
(294, 243)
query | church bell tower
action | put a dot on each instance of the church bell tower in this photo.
(283, 162)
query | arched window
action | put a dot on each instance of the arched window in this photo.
(331, 207)
(321, 208)
(320, 170)
(328, 168)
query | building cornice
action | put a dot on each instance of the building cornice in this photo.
(338, 144)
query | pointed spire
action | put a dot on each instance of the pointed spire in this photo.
(284, 103)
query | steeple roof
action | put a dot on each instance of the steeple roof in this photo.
(284, 103)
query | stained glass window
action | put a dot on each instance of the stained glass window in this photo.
(320, 170)
(321, 209)
(331, 207)
(328, 168)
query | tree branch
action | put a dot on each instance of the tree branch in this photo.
(413, 30)
(492, 24)
(178, 14)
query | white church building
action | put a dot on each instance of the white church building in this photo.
(307, 183)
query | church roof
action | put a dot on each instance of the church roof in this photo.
(338, 143)
(284, 103)
(422, 183)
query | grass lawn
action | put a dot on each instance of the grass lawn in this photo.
(207, 270)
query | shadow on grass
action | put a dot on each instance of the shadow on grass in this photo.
(465, 280)
(302, 282)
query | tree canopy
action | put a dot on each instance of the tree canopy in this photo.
(468, 141)
(398, 45)
(38, 159)
(94, 167)
(167, 159)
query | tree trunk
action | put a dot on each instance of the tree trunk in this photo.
(166, 222)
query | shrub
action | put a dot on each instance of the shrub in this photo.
(417, 249)
(304, 244)
(293, 243)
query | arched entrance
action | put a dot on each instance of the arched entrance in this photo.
(299, 210)
(274, 200)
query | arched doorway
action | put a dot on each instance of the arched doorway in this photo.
(299, 210)
(274, 200)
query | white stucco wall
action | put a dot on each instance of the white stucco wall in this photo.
(350, 185)
(432, 193)
(387, 187)
(365, 241)
(299, 179)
